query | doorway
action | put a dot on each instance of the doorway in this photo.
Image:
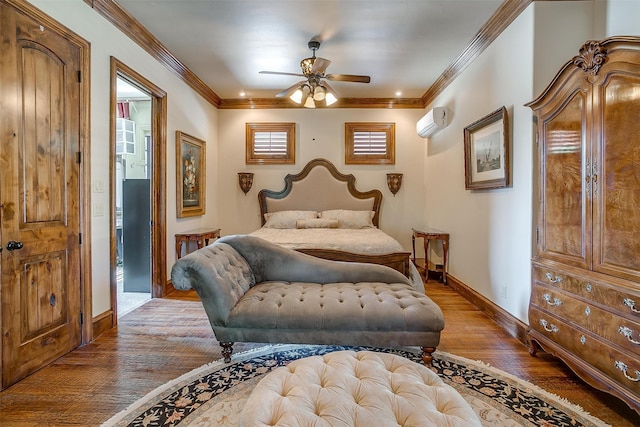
(133, 196)
(138, 115)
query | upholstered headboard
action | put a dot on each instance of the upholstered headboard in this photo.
(319, 186)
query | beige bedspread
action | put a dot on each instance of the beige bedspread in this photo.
(369, 241)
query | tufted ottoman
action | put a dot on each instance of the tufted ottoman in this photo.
(355, 389)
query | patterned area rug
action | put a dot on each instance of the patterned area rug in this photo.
(214, 394)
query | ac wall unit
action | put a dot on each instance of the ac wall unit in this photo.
(433, 121)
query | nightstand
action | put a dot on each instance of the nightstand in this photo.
(427, 235)
(200, 235)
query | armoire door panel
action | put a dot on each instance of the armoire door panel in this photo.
(564, 229)
(617, 221)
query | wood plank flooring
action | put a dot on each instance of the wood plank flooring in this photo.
(168, 337)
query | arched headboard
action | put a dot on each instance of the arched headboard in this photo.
(320, 186)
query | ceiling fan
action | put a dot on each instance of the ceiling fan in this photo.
(315, 89)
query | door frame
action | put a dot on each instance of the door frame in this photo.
(158, 180)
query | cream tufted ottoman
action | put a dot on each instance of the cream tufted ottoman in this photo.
(355, 389)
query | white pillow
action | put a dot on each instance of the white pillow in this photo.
(287, 219)
(317, 223)
(350, 219)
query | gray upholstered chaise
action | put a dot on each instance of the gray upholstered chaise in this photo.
(256, 291)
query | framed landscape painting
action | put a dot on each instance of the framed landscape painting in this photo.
(190, 175)
(486, 152)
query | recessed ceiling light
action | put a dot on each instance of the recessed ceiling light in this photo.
(243, 93)
(398, 93)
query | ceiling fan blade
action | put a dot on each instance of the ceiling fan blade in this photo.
(288, 91)
(281, 73)
(320, 66)
(348, 78)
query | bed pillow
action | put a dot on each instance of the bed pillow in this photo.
(350, 219)
(317, 223)
(287, 219)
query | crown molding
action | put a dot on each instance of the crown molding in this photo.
(499, 21)
(257, 103)
(132, 28)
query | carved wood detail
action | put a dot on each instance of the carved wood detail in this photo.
(592, 56)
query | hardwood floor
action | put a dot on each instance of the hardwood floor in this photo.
(168, 337)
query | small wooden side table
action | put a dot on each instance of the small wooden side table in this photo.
(200, 235)
(428, 235)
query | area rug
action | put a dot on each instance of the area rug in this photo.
(214, 394)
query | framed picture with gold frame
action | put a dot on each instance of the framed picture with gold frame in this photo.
(190, 175)
(486, 152)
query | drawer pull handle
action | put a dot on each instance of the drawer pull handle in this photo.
(583, 340)
(631, 304)
(552, 279)
(623, 367)
(627, 332)
(587, 311)
(545, 325)
(589, 287)
(547, 298)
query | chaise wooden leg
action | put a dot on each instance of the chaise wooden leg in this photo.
(427, 355)
(227, 349)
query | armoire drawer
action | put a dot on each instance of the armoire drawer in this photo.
(622, 366)
(615, 297)
(601, 322)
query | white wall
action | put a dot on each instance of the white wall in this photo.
(491, 230)
(320, 133)
(622, 18)
(187, 112)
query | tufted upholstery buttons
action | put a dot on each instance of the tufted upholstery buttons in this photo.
(311, 306)
(355, 389)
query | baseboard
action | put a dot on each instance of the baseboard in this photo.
(168, 288)
(512, 325)
(102, 323)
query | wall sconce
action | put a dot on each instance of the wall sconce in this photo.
(245, 179)
(394, 181)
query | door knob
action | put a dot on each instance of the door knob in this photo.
(13, 245)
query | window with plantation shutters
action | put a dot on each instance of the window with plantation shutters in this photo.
(270, 143)
(370, 143)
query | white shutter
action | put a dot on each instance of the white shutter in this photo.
(270, 143)
(369, 142)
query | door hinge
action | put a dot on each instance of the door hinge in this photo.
(80, 238)
(79, 76)
(537, 138)
(81, 318)
(79, 157)
(537, 235)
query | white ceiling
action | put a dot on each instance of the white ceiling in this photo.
(404, 45)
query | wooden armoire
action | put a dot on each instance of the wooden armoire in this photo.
(585, 296)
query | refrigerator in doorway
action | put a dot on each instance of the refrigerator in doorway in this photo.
(136, 235)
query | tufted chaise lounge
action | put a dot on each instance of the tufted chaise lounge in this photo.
(256, 291)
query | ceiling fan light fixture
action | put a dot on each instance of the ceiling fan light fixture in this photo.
(309, 103)
(331, 96)
(319, 93)
(297, 96)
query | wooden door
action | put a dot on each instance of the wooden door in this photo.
(564, 219)
(39, 195)
(616, 176)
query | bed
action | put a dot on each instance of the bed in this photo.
(321, 213)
